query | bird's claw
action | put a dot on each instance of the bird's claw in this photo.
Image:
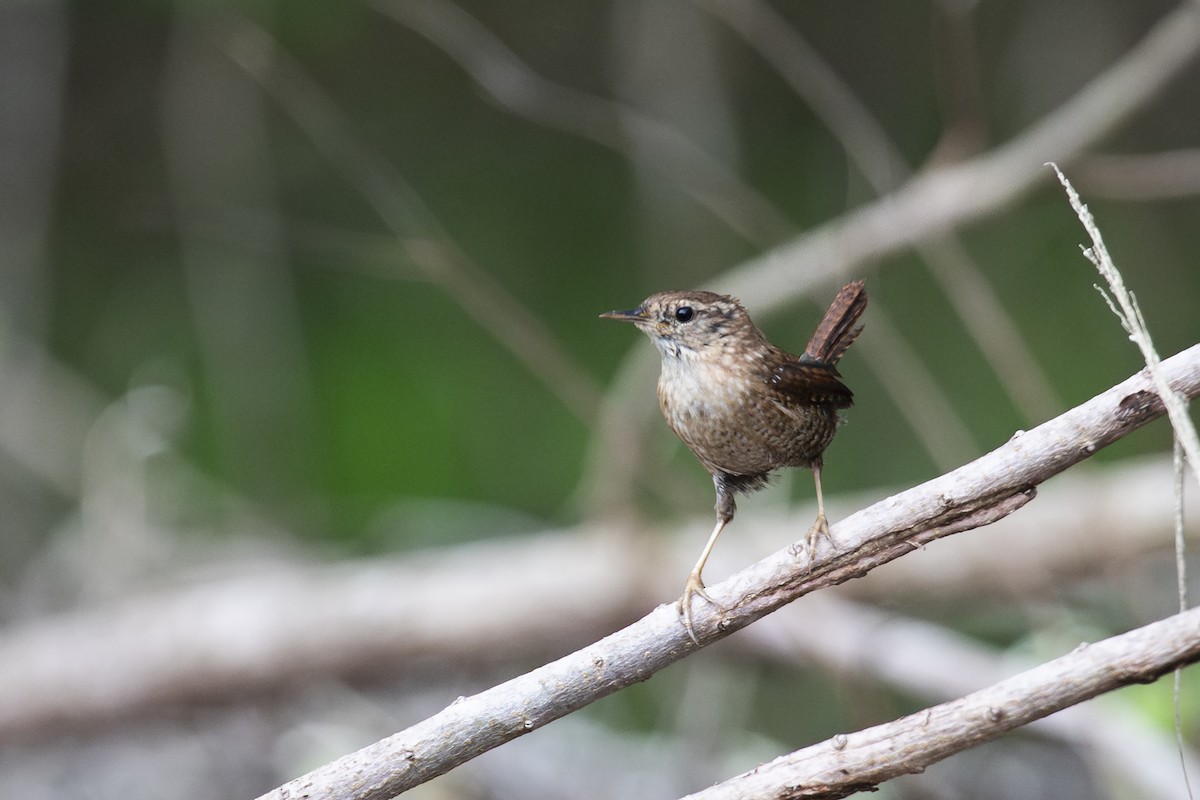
(694, 586)
(819, 530)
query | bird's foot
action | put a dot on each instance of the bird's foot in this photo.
(819, 530)
(694, 586)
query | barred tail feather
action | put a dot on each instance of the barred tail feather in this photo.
(837, 330)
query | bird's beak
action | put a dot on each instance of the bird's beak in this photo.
(632, 315)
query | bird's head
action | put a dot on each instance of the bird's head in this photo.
(689, 324)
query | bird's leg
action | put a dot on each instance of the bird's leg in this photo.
(725, 509)
(820, 526)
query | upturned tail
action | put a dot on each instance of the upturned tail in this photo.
(837, 330)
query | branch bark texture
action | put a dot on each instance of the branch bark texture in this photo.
(980, 492)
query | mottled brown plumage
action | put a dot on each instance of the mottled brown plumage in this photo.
(742, 405)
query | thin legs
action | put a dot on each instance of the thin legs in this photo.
(725, 509)
(820, 526)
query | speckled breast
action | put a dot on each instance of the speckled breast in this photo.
(733, 426)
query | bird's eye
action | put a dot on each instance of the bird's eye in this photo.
(684, 313)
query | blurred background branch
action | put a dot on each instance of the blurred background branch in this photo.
(256, 630)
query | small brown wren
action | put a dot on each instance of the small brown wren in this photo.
(743, 406)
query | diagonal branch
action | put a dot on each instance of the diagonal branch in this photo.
(975, 494)
(937, 664)
(856, 762)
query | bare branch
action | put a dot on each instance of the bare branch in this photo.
(937, 664)
(981, 492)
(1084, 523)
(858, 761)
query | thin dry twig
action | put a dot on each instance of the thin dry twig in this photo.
(1124, 305)
(985, 490)
(1181, 589)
